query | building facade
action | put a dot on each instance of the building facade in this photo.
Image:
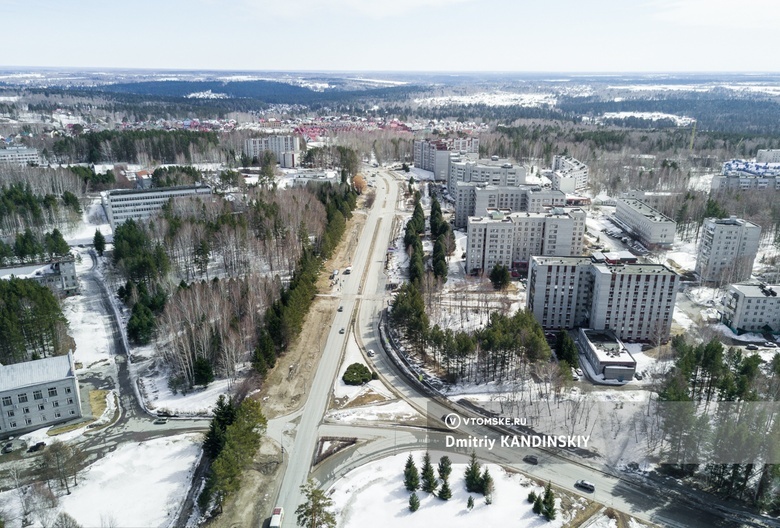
(287, 149)
(752, 308)
(607, 355)
(37, 394)
(140, 204)
(59, 276)
(742, 175)
(19, 156)
(511, 239)
(635, 301)
(494, 171)
(474, 198)
(568, 174)
(650, 226)
(768, 156)
(727, 250)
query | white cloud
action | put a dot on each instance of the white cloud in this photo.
(369, 8)
(742, 14)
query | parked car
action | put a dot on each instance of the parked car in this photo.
(37, 447)
(370, 353)
(770, 344)
(751, 347)
(531, 459)
(341, 309)
(161, 421)
(7, 448)
(638, 375)
(584, 484)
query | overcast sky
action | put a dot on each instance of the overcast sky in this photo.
(396, 35)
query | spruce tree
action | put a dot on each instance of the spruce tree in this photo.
(445, 493)
(470, 503)
(414, 502)
(532, 497)
(411, 476)
(487, 486)
(429, 483)
(445, 467)
(548, 503)
(473, 477)
(99, 241)
(538, 505)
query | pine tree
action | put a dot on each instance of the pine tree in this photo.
(470, 503)
(473, 477)
(532, 497)
(445, 468)
(487, 486)
(429, 483)
(538, 505)
(411, 476)
(548, 503)
(414, 502)
(445, 493)
(99, 242)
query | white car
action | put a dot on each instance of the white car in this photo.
(370, 353)
(770, 344)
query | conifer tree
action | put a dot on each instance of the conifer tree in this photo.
(411, 475)
(473, 477)
(487, 486)
(445, 493)
(429, 483)
(445, 467)
(470, 503)
(414, 502)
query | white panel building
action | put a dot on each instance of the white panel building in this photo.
(607, 354)
(768, 156)
(653, 228)
(19, 156)
(287, 149)
(568, 174)
(752, 308)
(635, 301)
(38, 393)
(727, 250)
(141, 204)
(494, 171)
(510, 239)
(473, 198)
(743, 175)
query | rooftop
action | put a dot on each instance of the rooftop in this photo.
(757, 290)
(634, 269)
(124, 192)
(608, 347)
(652, 214)
(35, 372)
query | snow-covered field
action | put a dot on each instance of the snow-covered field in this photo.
(139, 484)
(491, 99)
(374, 495)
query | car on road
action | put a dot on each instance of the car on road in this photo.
(341, 309)
(578, 371)
(160, 421)
(751, 347)
(37, 447)
(341, 331)
(584, 484)
(531, 459)
(370, 353)
(770, 344)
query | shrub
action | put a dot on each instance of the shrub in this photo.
(357, 374)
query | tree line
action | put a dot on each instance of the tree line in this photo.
(21, 207)
(30, 247)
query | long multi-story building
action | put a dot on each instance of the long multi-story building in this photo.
(510, 239)
(568, 174)
(471, 198)
(743, 175)
(141, 204)
(727, 250)
(635, 301)
(38, 393)
(494, 171)
(752, 308)
(287, 149)
(768, 156)
(650, 226)
(19, 156)
(434, 155)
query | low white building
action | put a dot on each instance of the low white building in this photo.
(650, 226)
(727, 250)
(768, 156)
(752, 308)
(140, 204)
(37, 394)
(607, 355)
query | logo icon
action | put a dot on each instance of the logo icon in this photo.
(452, 421)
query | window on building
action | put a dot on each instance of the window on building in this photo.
(72, 411)
(70, 401)
(22, 397)
(67, 390)
(10, 414)
(28, 421)
(12, 425)
(7, 401)
(52, 392)
(26, 410)
(56, 404)
(41, 406)
(38, 394)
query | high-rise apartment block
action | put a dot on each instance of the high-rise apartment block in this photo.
(511, 239)
(602, 292)
(434, 155)
(287, 149)
(752, 308)
(742, 175)
(727, 250)
(568, 174)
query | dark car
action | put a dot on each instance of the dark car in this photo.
(584, 484)
(7, 448)
(751, 347)
(531, 459)
(37, 447)
(341, 309)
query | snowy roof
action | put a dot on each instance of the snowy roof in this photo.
(35, 372)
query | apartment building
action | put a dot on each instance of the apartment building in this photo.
(434, 155)
(635, 301)
(19, 155)
(753, 307)
(742, 175)
(287, 149)
(494, 171)
(510, 239)
(140, 204)
(37, 394)
(768, 156)
(650, 226)
(471, 198)
(568, 174)
(656, 199)
(727, 250)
